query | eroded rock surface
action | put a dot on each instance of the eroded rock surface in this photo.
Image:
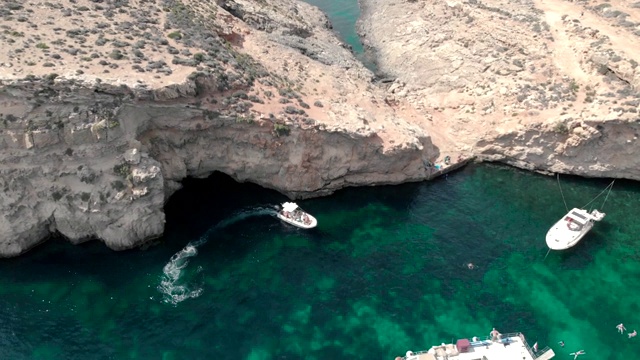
(107, 106)
(547, 85)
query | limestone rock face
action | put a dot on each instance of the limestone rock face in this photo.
(586, 148)
(305, 163)
(546, 85)
(94, 149)
(109, 177)
(101, 120)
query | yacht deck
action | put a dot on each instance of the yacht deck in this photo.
(509, 347)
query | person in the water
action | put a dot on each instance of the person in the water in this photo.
(577, 353)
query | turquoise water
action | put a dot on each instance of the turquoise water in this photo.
(343, 16)
(384, 272)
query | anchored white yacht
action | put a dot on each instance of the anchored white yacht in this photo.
(572, 227)
(291, 213)
(569, 230)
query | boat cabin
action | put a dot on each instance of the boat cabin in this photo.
(575, 220)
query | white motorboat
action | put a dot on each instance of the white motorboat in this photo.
(572, 227)
(291, 213)
(569, 230)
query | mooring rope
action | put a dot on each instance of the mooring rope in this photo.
(609, 192)
(561, 193)
(609, 187)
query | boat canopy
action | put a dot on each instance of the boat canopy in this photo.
(578, 217)
(289, 206)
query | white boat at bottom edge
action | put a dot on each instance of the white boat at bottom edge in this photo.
(291, 213)
(571, 228)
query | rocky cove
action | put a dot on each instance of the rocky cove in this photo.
(102, 120)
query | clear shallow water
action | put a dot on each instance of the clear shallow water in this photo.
(343, 16)
(383, 273)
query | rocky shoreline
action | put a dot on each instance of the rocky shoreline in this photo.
(101, 120)
(547, 86)
(264, 95)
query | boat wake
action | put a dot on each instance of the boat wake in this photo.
(176, 283)
(173, 288)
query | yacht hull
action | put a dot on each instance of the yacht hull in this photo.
(559, 239)
(312, 221)
(571, 228)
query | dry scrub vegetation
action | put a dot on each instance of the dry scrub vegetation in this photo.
(143, 45)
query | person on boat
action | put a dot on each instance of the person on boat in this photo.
(632, 334)
(306, 219)
(494, 334)
(577, 353)
(621, 328)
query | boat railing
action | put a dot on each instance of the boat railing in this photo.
(533, 354)
(480, 341)
(415, 354)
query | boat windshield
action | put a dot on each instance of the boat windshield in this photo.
(577, 217)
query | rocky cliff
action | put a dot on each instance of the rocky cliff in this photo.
(107, 105)
(546, 85)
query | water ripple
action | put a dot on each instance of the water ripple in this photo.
(175, 286)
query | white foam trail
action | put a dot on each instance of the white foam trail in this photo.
(172, 287)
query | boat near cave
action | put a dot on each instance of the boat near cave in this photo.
(291, 213)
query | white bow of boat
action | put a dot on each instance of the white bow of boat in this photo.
(292, 214)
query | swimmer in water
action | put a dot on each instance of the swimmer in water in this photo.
(578, 353)
(561, 343)
(621, 328)
(471, 266)
(632, 334)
